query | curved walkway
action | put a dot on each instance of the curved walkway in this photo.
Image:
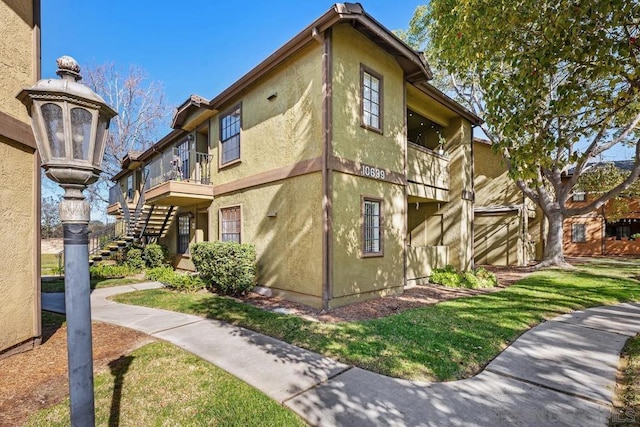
(560, 373)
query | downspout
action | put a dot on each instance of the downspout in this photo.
(405, 189)
(327, 176)
(473, 201)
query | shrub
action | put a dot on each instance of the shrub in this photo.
(154, 255)
(486, 278)
(635, 236)
(450, 277)
(174, 280)
(134, 258)
(105, 271)
(159, 274)
(447, 276)
(228, 267)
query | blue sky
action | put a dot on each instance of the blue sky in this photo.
(197, 47)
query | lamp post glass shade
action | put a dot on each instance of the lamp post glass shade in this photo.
(70, 124)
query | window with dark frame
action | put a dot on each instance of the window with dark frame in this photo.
(230, 136)
(579, 196)
(230, 224)
(184, 229)
(578, 233)
(371, 99)
(372, 227)
(130, 188)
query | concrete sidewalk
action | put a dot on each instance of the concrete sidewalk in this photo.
(560, 373)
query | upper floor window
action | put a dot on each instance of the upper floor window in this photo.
(230, 136)
(130, 188)
(371, 227)
(371, 99)
(579, 196)
(230, 223)
(578, 233)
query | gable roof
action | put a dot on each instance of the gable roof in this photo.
(413, 63)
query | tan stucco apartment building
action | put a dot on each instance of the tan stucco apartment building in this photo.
(20, 176)
(335, 157)
(509, 229)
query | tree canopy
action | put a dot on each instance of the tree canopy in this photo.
(557, 82)
(142, 111)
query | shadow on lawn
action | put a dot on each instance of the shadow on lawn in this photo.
(119, 368)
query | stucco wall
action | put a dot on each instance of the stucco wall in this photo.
(493, 186)
(458, 213)
(355, 277)
(354, 274)
(19, 236)
(20, 189)
(278, 132)
(289, 244)
(350, 140)
(16, 55)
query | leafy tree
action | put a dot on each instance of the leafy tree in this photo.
(557, 83)
(604, 177)
(50, 216)
(142, 111)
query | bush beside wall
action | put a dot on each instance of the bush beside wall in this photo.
(228, 267)
(452, 278)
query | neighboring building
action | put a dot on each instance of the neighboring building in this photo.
(20, 327)
(335, 157)
(596, 234)
(508, 228)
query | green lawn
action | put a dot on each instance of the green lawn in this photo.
(627, 407)
(58, 284)
(160, 384)
(48, 264)
(450, 340)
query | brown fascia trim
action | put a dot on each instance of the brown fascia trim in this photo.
(448, 102)
(188, 107)
(477, 140)
(340, 12)
(16, 130)
(303, 167)
(170, 138)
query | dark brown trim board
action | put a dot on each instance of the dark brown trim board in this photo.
(301, 168)
(327, 173)
(17, 131)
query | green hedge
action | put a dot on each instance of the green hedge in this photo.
(105, 271)
(134, 258)
(228, 267)
(452, 278)
(173, 280)
(154, 255)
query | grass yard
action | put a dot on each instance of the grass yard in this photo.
(447, 341)
(58, 284)
(627, 403)
(49, 264)
(160, 384)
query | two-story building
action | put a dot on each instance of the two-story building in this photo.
(335, 157)
(509, 229)
(20, 176)
(607, 231)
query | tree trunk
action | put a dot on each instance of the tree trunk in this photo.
(553, 255)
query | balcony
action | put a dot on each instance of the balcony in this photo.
(179, 178)
(427, 174)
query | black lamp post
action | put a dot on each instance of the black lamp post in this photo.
(70, 125)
